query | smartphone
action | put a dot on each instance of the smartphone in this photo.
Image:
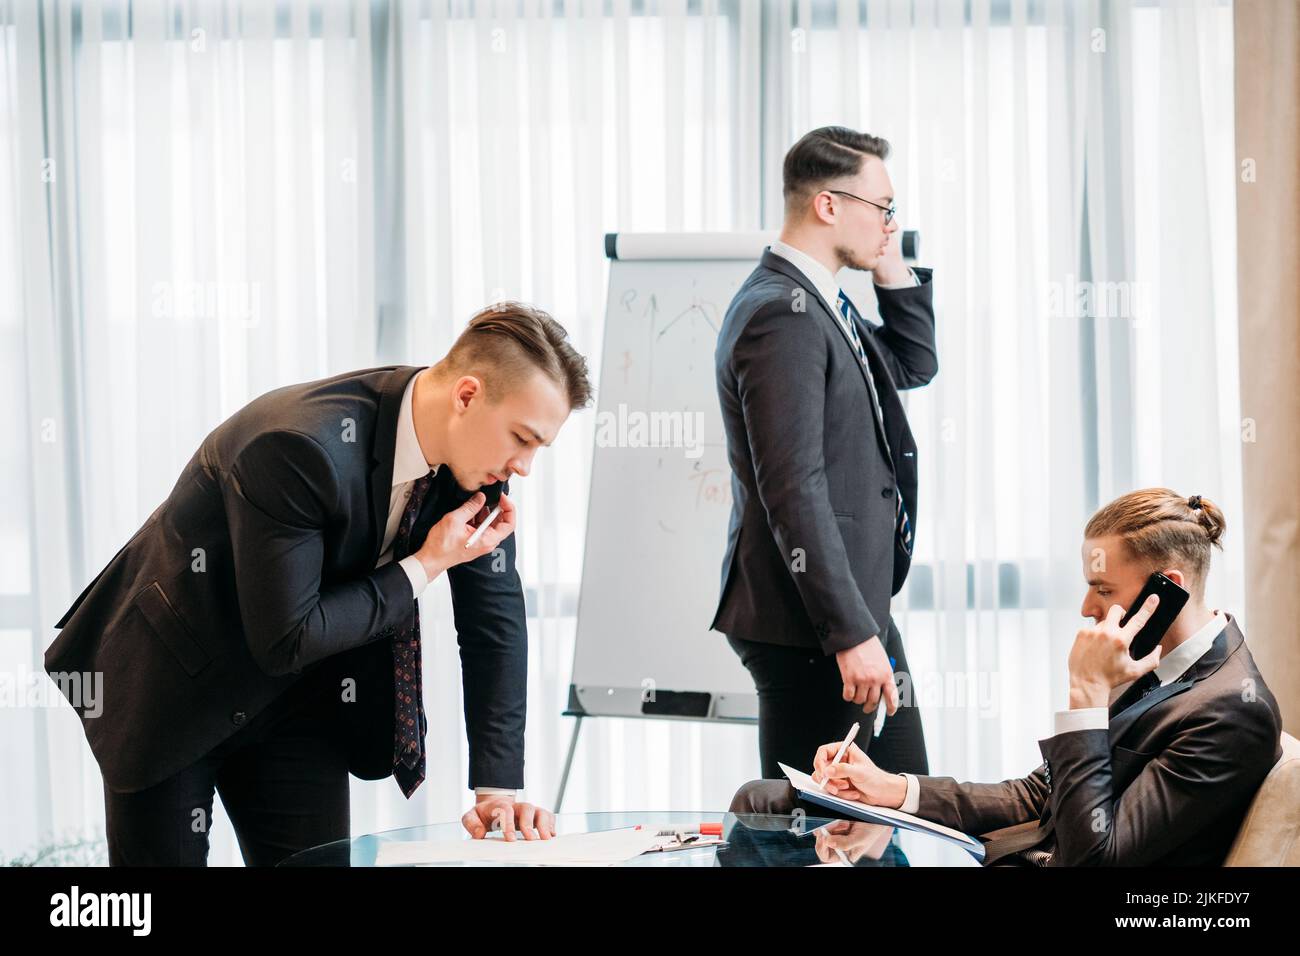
(1172, 599)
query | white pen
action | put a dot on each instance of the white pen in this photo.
(880, 711)
(478, 532)
(853, 732)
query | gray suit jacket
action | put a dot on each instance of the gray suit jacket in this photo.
(812, 557)
(1168, 783)
(257, 575)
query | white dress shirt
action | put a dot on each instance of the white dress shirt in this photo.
(821, 277)
(409, 466)
(1171, 666)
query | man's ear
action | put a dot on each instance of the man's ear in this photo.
(1173, 574)
(466, 389)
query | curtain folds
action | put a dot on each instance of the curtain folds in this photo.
(205, 201)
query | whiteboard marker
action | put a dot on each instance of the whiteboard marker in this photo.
(478, 532)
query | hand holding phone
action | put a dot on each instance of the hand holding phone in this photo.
(1172, 599)
(1097, 665)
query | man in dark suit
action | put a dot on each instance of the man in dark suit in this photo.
(824, 473)
(259, 635)
(1156, 760)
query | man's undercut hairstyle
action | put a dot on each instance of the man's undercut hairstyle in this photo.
(823, 156)
(1161, 528)
(507, 342)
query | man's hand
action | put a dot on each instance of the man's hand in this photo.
(444, 545)
(865, 671)
(855, 777)
(890, 268)
(1100, 661)
(494, 811)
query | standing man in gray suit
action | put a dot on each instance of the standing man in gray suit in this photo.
(823, 463)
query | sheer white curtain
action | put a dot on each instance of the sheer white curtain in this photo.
(202, 201)
(1070, 168)
(529, 130)
(203, 233)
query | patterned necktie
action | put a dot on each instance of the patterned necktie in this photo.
(1135, 692)
(408, 696)
(902, 524)
(1147, 683)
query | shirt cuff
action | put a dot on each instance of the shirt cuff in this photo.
(415, 571)
(480, 791)
(1084, 718)
(906, 284)
(913, 799)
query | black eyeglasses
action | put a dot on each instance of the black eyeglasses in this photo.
(889, 210)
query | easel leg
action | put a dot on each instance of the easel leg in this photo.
(568, 763)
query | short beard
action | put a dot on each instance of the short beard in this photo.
(845, 257)
(459, 486)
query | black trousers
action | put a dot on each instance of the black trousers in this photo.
(801, 706)
(283, 780)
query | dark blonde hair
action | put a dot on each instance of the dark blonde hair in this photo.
(1161, 528)
(507, 340)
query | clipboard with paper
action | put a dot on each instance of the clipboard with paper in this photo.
(810, 791)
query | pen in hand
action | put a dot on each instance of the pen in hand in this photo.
(880, 711)
(853, 732)
(478, 532)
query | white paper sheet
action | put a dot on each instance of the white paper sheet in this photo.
(602, 848)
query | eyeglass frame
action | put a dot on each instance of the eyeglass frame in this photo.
(890, 211)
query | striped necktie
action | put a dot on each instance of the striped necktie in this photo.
(902, 524)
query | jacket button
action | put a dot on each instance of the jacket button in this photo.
(238, 717)
(886, 492)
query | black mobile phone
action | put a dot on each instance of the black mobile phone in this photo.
(1172, 599)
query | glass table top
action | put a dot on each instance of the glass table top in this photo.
(751, 840)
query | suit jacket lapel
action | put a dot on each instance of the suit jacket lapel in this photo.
(382, 451)
(894, 417)
(1125, 711)
(1126, 718)
(771, 260)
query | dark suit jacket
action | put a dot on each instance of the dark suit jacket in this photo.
(258, 573)
(813, 478)
(1168, 783)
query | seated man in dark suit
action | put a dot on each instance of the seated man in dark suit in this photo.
(1164, 775)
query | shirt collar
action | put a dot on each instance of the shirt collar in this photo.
(408, 459)
(1182, 657)
(816, 273)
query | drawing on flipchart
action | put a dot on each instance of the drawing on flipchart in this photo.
(688, 324)
(698, 322)
(712, 486)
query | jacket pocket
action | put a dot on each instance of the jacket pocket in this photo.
(171, 630)
(1125, 764)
